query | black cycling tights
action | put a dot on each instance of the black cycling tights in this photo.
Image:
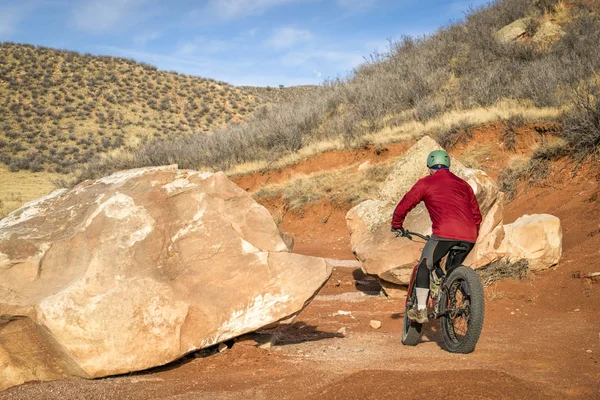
(433, 252)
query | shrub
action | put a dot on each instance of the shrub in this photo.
(508, 134)
(460, 133)
(581, 126)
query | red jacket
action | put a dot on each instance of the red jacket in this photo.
(451, 204)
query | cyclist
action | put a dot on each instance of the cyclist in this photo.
(455, 218)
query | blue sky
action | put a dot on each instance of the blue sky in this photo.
(243, 42)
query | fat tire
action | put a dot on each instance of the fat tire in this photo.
(476, 311)
(411, 330)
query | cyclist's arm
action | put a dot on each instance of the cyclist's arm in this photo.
(408, 202)
(475, 210)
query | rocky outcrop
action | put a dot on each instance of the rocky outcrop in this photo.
(137, 269)
(513, 31)
(392, 259)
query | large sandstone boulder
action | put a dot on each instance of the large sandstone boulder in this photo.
(535, 238)
(137, 269)
(391, 258)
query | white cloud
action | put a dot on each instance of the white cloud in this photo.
(102, 15)
(288, 37)
(230, 9)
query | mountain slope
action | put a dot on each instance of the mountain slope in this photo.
(59, 109)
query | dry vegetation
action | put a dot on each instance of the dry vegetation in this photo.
(503, 269)
(60, 109)
(439, 84)
(23, 186)
(281, 94)
(350, 185)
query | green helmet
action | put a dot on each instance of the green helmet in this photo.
(438, 159)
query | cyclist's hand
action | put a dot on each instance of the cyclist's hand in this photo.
(400, 232)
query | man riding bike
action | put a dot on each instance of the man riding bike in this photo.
(455, 218)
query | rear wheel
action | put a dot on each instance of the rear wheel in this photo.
(464, 300)
(411, 331)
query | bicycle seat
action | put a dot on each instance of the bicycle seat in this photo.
(458, 249)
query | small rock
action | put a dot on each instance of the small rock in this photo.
(512, 313)
(341, 312)
(269, 343)
(375, 324)
(364, 165)
(576, 310)
(588, 351)
(222, 347)
(266, 345)
(342, 330)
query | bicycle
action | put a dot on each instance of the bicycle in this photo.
(455, 296)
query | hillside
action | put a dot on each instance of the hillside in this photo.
(513, 62)
(61, 109)
(518, 61)
(281, 94)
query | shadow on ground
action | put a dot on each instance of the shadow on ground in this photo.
(298, 332)
(366, 283)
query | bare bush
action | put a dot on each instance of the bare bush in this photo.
(508, 136)
(460, 133)
(581, 126)
(503, 269)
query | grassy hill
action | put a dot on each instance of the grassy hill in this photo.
(443, 84)
(61, 109)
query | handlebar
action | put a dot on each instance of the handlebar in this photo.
(409, 235)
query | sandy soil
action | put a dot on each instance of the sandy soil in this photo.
(541, 337)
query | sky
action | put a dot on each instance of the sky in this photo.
(242, 42)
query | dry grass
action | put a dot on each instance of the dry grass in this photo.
(476, 156)
(450, 120)
(348, 186)
(506, 109)
(21, 187)
(287, 160)
(493, 294)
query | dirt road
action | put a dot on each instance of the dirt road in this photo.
(528, 349)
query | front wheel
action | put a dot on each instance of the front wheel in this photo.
(464, 302)
(411, 331)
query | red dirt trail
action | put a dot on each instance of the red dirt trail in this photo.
(541, 336)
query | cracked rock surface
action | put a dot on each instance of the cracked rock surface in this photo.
(138, 269)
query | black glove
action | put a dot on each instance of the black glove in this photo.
(400, 232)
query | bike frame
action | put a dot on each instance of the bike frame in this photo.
(436, 273)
